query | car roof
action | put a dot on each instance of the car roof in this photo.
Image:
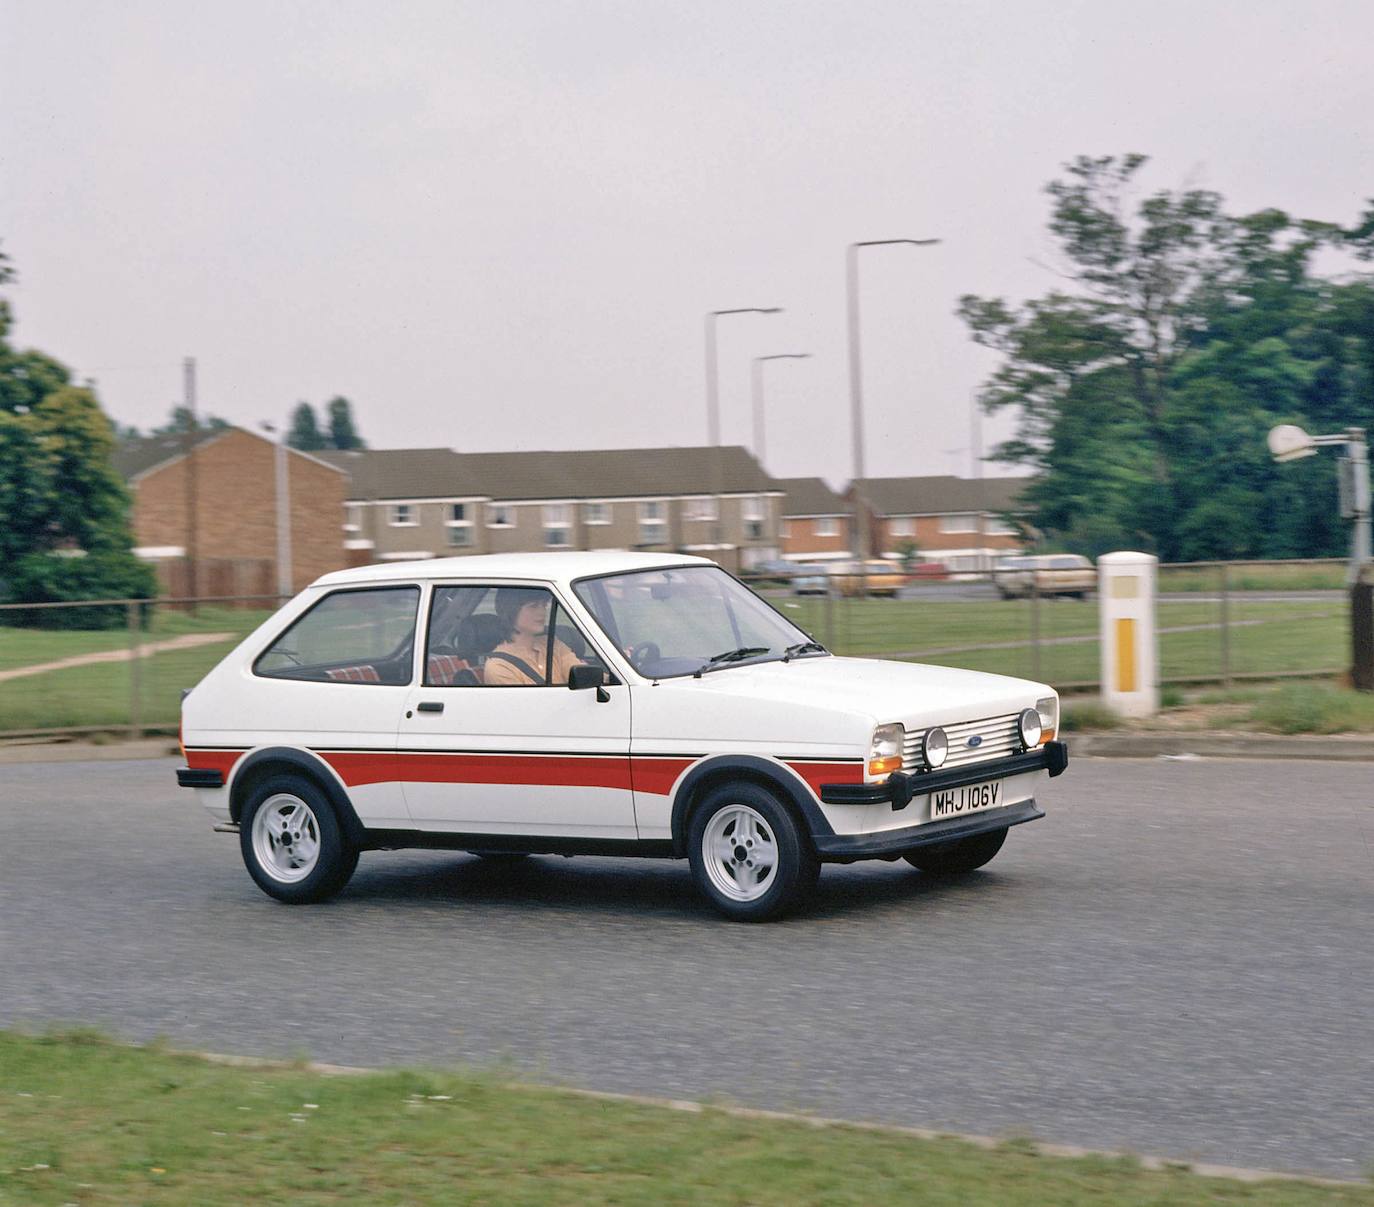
(561, 567)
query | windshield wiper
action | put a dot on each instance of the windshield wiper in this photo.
(744, 651)
(803, 647)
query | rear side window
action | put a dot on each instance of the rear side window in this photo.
(349, 637)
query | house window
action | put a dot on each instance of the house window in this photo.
(903, 526)
(596, 513)
(826, 525)
(652, 523)
(459, 524)
(993, 526)
(959, 522)
(402, 515)
(751, 508)
(557, 522)
(700, 509)
(353, 517)
(500, 515)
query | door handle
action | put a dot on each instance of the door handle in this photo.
(429, 706)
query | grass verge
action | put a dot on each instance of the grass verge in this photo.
(85, 1120)
(1313, 708)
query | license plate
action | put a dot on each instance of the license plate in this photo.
(955, 802)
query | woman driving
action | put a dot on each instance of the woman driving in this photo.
(520, 660)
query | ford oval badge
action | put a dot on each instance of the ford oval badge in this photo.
(976, 740)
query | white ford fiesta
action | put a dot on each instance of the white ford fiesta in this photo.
(599, 703)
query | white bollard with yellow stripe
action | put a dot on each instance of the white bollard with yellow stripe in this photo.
(1130, 647)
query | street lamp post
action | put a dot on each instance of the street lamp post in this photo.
(856, 392)
(758, 395)
(283, 508)
(713, 406)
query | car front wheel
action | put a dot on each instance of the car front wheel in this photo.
(292, 843)
(958, 855)
(748, 855)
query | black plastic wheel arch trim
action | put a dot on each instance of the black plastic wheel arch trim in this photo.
(902, 787)
(838, 848)
(290, 758)
(794, 790)
(200, 777)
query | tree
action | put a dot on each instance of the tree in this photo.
(342, 434)
(64, 511)
(305, 429)
(1144, 387)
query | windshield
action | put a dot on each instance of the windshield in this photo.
(688, 620)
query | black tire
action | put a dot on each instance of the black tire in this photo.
(958, 855)
(335, 857)
(795, 865)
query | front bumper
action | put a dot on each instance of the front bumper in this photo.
(889, 844)
(901, 787)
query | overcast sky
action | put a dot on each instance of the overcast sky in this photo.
(498, 225)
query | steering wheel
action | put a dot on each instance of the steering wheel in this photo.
(645, 651)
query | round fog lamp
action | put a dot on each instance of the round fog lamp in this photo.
(1029, 725)
(934, 747)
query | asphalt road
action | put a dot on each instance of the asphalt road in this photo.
(1178, 961)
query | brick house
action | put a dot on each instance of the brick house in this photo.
(413, 503)
(962, 522)
(816, 522)
(233, 536)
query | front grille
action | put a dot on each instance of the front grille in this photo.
(1000, 739)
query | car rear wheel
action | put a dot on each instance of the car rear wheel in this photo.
(747, 853)
(292, 843)
(958, 855)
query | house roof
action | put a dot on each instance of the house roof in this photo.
(134, 458)
(941, 495)
(810, 496)
(550, 474)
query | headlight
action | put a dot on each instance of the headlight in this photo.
(1048, 708)
(934, 746)
(1029, 725)
(885, 751)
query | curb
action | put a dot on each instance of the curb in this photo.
(1212, 745)
(82, 752)
(1235, 1173)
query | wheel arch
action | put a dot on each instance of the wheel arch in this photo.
(790, 790)
(290, 760)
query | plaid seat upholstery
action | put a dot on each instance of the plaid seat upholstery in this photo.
(354, 674)
(442, 669)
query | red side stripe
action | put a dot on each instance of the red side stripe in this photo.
(213, 760)
(816, 774)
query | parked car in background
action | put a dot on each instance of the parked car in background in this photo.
(1046, 574)
(599, 704)
(928, 570)
(774, 572)
(811, 578)
(877, 578)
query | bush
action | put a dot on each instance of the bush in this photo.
(51, 578)
(1086, 714)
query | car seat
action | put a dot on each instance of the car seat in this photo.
(477, 636)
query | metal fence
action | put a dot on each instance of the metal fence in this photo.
(121, 665)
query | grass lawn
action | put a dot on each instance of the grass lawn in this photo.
(1266, 637)
(84, 1120)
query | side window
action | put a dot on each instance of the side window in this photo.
(492, 636)
(349, 637)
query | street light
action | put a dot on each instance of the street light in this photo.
(283, 500)
(713, 402)
(758, 394)
(1288, 442)
(856, 393)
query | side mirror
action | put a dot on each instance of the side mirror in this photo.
(583, 676)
